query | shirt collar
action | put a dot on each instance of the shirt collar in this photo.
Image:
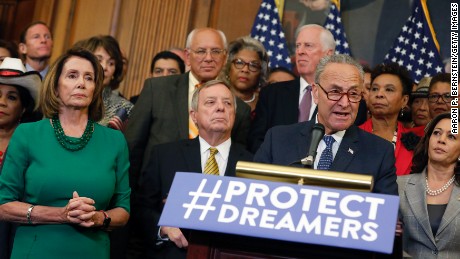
(338, 136)
(303, 85)
(223, 148)
(192, 80)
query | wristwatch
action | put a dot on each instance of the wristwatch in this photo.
(107, 219)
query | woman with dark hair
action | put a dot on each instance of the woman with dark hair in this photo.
(18, 92)
(429, 206)
(107, 50)
(388, 95)
(8, 49)
(54, 180)
(246, 69)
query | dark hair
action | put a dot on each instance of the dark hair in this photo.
(367, 69)
(22, 36)
(397, 70)
(280, 69)
(110, 44)
(420, 158)
(27, 103)
(168, 55)
(441, 77)
(11, 47)
(48, 100)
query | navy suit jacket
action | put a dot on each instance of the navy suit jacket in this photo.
(359, 152)
(156, 179)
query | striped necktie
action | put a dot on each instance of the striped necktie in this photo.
(211, 166)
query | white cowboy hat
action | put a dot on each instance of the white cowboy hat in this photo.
(13, 72)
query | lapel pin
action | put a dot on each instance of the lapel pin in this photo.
(350, 151)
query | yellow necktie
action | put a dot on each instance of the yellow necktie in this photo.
(192, 129)
(211, 166)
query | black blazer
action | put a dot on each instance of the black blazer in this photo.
(156, 180)
(278, 104)
(359, 152)
(161, 115)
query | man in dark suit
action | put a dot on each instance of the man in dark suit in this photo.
(337, 91)
(213, 111)
(161, 113)
(279, 103)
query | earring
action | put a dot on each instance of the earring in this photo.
(402, 112)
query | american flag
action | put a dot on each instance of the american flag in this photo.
(416, 47)
(334, 24)
(267, 29)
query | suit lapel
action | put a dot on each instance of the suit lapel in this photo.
(347, 150)
(415, 194)
(304, 139)
(233, 157)
(290, 100)
(181, 99)
(452, 210)
(191, 153)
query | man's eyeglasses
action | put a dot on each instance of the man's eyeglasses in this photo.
(354, 95)
(215, 53)
(252, 66)
(433, 98)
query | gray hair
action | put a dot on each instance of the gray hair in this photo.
(196, 93)
(340, 59)
(248, 43)
(326, 37)
(190, 36)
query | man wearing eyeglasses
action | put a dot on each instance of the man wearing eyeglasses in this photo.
(161, 113)
(439, 98)
(337, 91)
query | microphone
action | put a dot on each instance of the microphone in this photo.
(317, 134)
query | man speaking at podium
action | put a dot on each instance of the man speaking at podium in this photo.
(337, 91)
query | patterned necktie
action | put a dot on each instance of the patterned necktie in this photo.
(325, 160)
(305, 105)
(211, 166)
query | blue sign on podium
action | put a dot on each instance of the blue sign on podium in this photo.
(305, 214)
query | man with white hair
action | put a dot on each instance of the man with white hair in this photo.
(161, 113)
(291, 101)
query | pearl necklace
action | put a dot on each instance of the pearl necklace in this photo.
(441, 190)
(252, 99)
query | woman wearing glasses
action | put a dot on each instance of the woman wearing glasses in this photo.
(388, 95)
(246, 69)
(439, 98)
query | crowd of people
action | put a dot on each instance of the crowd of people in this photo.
(86, 172)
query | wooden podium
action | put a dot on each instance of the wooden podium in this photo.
(213, 245)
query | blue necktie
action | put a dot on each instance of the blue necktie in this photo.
(325, 161)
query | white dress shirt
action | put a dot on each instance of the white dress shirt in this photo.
(221, 156)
